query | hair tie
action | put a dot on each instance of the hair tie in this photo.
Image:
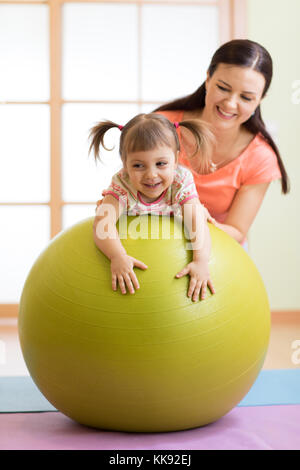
(176, 124)
(120, 127)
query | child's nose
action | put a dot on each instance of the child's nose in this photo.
(152, 172)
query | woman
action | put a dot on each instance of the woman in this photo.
(246, 158)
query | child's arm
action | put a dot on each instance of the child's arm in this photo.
(107, 239)
(195, 220)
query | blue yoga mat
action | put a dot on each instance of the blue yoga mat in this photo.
(272, 387)
(21, 395)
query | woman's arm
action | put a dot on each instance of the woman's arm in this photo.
(243, 211)
(107, 239)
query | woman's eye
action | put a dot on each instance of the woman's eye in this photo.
(242, 96)
(222, 88)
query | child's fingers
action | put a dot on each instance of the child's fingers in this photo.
(203, 290)
(183, 272)
(121, 284)
(196, 292)
(192, 287)
(134, 280)
(114, 282)
(211, 219)
(211, 287)
(139, 264)
(128, 283)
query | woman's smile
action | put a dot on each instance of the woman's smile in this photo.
(223, 114)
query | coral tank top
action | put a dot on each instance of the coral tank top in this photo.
(256, 164)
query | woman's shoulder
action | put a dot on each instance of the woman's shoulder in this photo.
(260, 147)
(172, 115)
(259, 162)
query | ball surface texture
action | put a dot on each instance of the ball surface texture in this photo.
(153, 361)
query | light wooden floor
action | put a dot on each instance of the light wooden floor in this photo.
(285, 333)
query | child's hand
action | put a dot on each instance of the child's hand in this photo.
(199, 279)
(122, 272)
(208, 217)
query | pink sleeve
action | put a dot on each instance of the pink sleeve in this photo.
(117, 190)
(186, 189)
(261, 166)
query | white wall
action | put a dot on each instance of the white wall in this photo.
(274, 238)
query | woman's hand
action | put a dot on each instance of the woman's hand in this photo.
(199, 279)
(122, 272)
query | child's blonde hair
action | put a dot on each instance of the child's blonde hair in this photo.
(149, 131)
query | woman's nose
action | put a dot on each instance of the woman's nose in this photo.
(231, 102)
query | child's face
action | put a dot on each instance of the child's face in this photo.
(151, 171)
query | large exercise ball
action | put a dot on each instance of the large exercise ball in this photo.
(149, 362)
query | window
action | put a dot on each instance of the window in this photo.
(65, 65)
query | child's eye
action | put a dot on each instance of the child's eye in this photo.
(161, 163)
(137, 165)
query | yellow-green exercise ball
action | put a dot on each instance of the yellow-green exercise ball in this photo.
(152, 361)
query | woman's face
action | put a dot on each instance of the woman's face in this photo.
(232, 95)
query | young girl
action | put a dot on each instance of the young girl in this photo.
(151, 181)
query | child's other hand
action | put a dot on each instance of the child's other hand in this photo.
(199, 279)
(208, 217)
(122, 272)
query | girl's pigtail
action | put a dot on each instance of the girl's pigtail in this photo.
(205, 141)
(97, 134)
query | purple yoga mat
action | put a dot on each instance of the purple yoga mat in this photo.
(254, 428)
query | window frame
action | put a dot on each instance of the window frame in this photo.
(232, 24)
